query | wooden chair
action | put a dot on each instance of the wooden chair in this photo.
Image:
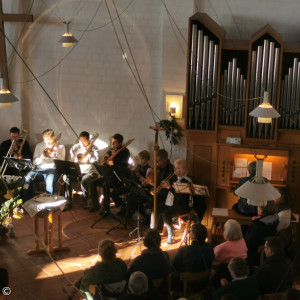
(185, 277)
(275, 296)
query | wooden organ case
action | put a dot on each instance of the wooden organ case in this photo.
(225, 81)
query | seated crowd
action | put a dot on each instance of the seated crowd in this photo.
(232, 267)
(236, 277)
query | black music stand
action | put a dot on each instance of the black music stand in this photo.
(107, 172)
(65, 167)
(21, 164)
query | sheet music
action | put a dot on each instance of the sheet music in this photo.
(220, 212)
(267, 170)
(240, 167)
(184, 188)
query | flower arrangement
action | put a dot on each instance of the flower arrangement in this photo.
(10, 202)
(173, 130)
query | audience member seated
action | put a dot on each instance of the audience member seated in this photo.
(264, 225)
(284, 208)
(242, 206)
(139, 288)
(275, 274)
(143, 166)
(153, 261)
(242, 286)
(234, 246)
(110, 270)
(196, 257)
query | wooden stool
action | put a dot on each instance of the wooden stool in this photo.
(48, 233)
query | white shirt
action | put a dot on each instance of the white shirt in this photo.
(48, 163)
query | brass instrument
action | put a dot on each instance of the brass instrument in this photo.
(82, 157)
(148, 174)
(109, 160)
(48, 152)
(4, 165)
(18, 153)
(165, 180)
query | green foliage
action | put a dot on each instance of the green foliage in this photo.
(173, 130)
(9, 200)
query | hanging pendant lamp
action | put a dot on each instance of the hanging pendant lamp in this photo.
(265, 111)
(67, 39)
(258, 190)
(6, 97)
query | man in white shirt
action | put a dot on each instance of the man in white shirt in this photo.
(44, 170)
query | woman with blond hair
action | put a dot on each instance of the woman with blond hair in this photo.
(234, 245)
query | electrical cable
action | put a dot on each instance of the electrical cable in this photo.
(71, 50)
(139, 83)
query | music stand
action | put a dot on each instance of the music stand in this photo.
(65, 167)
(106, 171)
(20, 164)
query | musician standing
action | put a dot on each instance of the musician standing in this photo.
(85, 153)
(43, 156)
(164, 170)
(11, 148)
(116, 161)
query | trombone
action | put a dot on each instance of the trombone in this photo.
(22, 136)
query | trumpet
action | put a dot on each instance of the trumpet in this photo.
(165, 180)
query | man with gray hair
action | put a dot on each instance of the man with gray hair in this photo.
(138, 288)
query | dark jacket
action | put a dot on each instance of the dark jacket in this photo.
(4, 147)
(242, 206)
(152, 264)
(243, 289)
(274, 275)
(256, 234)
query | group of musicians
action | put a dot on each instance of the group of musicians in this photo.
(115, 176)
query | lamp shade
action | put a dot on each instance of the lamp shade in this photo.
(5, 95)
(265, 111)
(258, 190)
(67, 40)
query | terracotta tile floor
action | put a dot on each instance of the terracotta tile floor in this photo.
(39, 276)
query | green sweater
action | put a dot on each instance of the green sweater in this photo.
(103, 273)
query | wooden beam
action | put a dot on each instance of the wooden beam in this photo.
(8, 18)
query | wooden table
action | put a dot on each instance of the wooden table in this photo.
(221, 215)
(47, 217)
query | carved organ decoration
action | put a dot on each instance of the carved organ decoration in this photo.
(264, 74)
(202, 81)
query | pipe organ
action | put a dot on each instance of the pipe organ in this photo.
(225, 81)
